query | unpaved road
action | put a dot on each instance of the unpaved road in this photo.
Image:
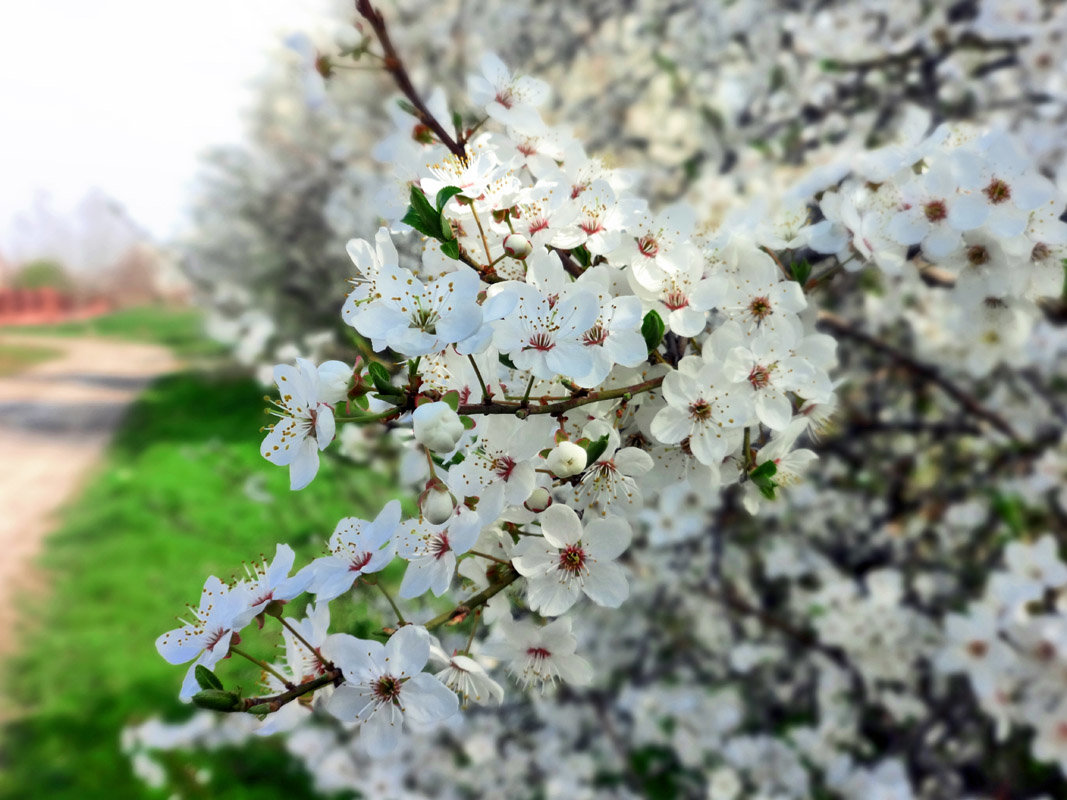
(55, 421)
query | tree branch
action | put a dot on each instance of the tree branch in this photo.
(561, 406)
(395, 67)
(835, 324)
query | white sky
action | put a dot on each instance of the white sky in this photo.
(123, 94)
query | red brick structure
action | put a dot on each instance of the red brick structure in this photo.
(45, 306)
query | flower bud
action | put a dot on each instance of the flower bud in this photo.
(566, 459)
(437, 427)
(437, 504)
(347, 38)
(335, 378)
(517, 246)
(539, 499)
(216, 700)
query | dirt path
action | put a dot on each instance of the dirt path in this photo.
(55, 421)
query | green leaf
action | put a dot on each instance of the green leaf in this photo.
(422, 216)
(505, 359)
(468, 423)
(763, 477)
(594, 450)
(379, 375)
(652, 328)
(206, 678)
(582, 256)
(801, 271)
(451, 399)
(451, 249)
(445, 195)
(1010, 509)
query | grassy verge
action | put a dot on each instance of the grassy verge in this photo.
(178, 328)
(184, 494)
(17, 357)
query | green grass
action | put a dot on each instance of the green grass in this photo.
(169, 507)
(178, 328)
(17, 357)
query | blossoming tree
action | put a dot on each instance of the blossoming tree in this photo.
(614, 416)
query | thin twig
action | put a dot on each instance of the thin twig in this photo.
(395, 67)
(841, 327)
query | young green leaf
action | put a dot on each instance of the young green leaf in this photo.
(451, 249)
(652, 328)
(445, 195)
(206, 678)
(595, 449)
(763, 477)
(379, 375)
(801, 271)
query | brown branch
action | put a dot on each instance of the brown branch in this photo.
(460, 612)
(561, 406)
(276, 701)
(395, 67)
(835, 324)
(573, 267)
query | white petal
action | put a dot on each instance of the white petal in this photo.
(606, 584)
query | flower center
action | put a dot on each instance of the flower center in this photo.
(572, 559)
(540, 341)
(700, 410)
(675, 300)
(978, 648)
(977, 255)
(648, 246)
(387, 688)
(760, 308)
(997, 191)
(503, 466)
(591, 226)
(359, 561)
(538, 653)
(439, 546)
(935, 210)
(425, 319)
(215, 638)
(504, 98)
(759, 377)
(598, 334)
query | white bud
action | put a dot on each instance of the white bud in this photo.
(347, 38)
(334, 379)
(437, 505)
(539, 499)
(437, 427)
(566, 459)
(517, 246)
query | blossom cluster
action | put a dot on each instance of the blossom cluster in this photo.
(595, 398)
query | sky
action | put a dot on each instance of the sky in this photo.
(121, 96)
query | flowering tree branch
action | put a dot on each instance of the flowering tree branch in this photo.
(522, 410)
